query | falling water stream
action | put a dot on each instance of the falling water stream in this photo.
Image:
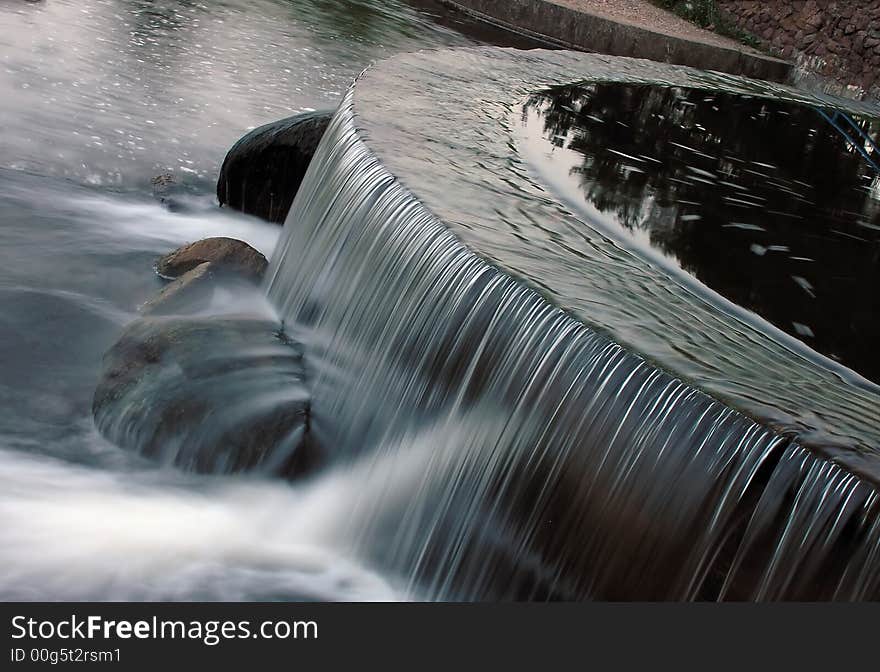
(489, 427)
(99, 97)
(526, 456)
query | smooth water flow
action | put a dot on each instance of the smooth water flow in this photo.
(524, 455)
(505, 402)
(101, 96)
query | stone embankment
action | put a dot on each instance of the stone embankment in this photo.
(839, 40)
(627, 28)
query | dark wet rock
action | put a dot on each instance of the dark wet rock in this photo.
(262, 172)
(211, 395)
(227, 255)
(170, 192)
(189, 292)
(162, 183)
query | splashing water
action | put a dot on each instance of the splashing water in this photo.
(125, 536)
(483, 443)
(103, 96)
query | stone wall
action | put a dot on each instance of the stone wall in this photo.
(837, 39)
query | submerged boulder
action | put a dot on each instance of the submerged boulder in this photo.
(226, 255)
(211, 395)
(188, 293)
(262, 172)
(173, 194)
(162, 184)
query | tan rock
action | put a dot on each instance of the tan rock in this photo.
(185, 294)
(227, 255)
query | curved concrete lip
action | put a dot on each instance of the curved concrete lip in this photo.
(443, 123)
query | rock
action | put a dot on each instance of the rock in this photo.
(171, 193)
(162, 183)
(262, 172)
(227, 255)
(211, 395)
(815, 21)
(187, 293)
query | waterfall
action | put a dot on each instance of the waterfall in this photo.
(508, 451)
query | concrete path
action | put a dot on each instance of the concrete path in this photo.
(627, 28)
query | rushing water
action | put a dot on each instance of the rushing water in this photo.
(98, 97)
(526, 456)
(479, 442)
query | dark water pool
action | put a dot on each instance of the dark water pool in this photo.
(775, 206)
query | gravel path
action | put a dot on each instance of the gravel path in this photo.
(646, 15)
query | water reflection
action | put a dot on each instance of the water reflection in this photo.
(768, 203)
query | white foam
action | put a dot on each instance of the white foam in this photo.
(152, 226)
(70, 532)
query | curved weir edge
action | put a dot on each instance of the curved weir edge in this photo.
(668, 492)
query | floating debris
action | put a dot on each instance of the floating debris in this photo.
(804, 284)
(744, 226)
(803, 329)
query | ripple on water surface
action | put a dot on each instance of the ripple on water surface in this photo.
(771, 204)
(738, 326)
(101, 91)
